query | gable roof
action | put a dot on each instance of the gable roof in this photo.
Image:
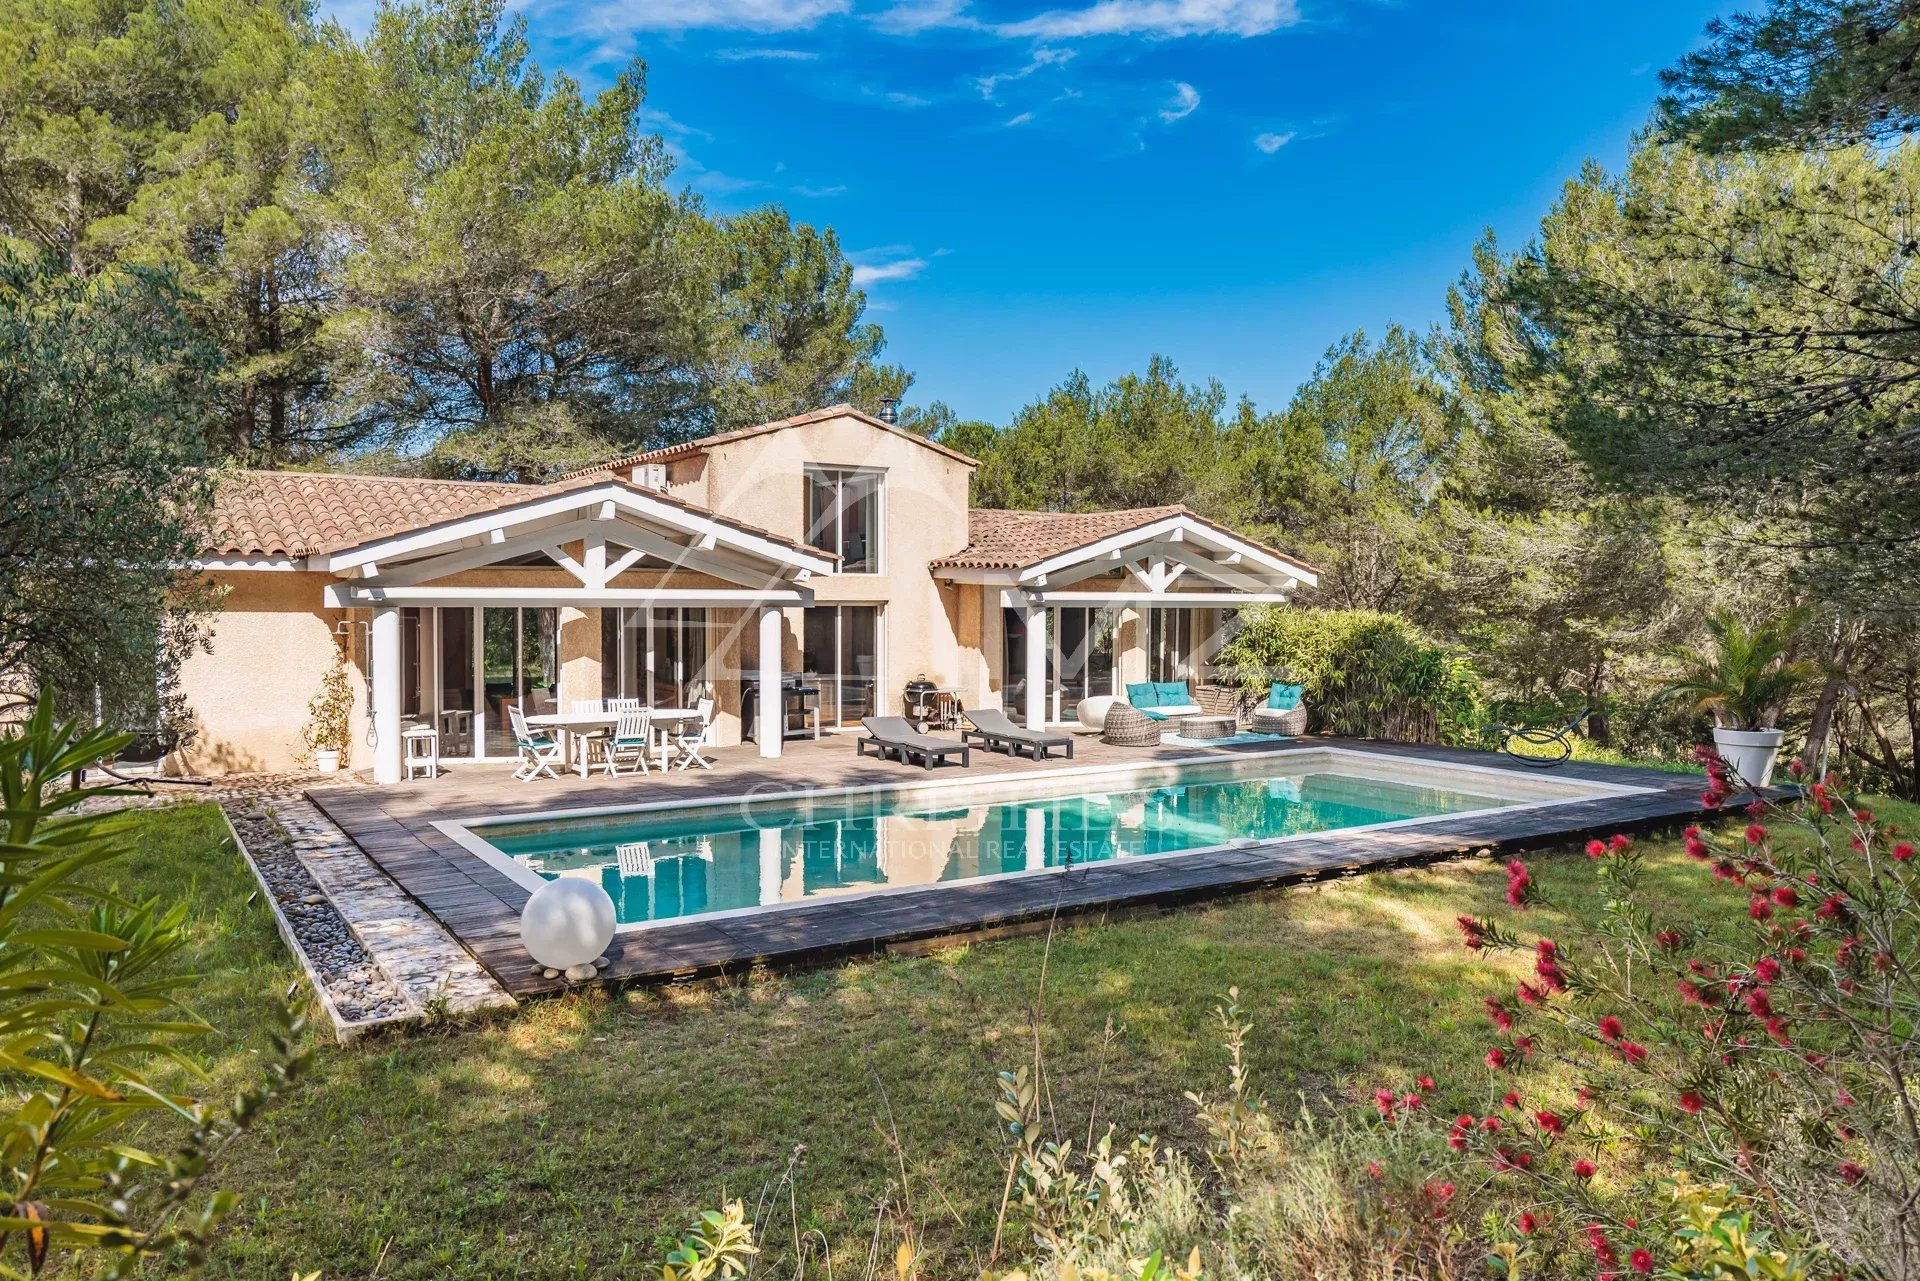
(687, 449)
(299, 514)
(1007, 539)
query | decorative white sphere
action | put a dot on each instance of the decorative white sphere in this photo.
(567, 923)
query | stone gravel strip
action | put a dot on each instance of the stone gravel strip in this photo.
(357, 995)
(413, 949)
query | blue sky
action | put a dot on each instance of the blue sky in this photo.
(1031, 186)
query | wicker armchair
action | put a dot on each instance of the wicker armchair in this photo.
(1292, 722)
(1130, 727)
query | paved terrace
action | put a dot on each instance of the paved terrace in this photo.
(481, 906)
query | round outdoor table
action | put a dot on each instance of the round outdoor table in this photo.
(1208, 727)
(575, 727)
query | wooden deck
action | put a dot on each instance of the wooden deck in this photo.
(481, 905)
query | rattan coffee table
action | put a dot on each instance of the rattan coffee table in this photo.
(1208, 727)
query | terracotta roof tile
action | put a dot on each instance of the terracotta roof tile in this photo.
(271, 513)
(1003, 539)
(687, 449)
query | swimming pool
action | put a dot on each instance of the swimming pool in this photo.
(674, 860)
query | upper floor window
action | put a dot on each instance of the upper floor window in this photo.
(843, 515)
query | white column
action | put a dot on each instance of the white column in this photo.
(1036, 666)
(386, 693)
(773, 708)
(1036, 846)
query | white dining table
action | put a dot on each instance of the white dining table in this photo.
(574, 727)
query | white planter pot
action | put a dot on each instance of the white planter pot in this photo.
(326, 761)
(1749, 753)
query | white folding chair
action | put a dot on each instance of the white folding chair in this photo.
(586, 706)
(539, 753)
(690, 744)
(632, 736)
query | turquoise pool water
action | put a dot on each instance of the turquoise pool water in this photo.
(683, 863)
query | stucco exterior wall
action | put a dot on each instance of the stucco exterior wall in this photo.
(927, 627)
(272, 643)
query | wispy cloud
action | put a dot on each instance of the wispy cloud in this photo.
(990, 85)
(1185, 101)
(874, 273)
(662, 123)
(1272, 142)
(1021, 119)
(1159, 18)
(910, 17)
(820, 193)
(770, 55)
(735, 15)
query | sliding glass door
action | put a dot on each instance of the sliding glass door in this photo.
(1170, 644)
(657, 655)
(1080, 641)
(519, 666)
(840, 654)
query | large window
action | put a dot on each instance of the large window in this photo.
(1170, 644)
(463, 689)
(1080, 642)
(519, 664)
(843, 515)
(840, 657)
(658, 655)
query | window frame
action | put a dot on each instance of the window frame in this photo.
(812, 473)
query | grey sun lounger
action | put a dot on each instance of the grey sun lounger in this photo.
(995, 733)
(896, 735)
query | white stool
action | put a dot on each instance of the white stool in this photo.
(421, 750)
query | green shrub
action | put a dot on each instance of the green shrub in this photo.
(1366, 674)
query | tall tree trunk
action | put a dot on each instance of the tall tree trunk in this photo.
(1846, 636)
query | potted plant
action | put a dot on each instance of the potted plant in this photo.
(1743, 679)
(329, 716)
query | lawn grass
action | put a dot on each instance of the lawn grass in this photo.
(572, 1137)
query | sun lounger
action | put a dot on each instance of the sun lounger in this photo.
(895, 735)
(996, 733)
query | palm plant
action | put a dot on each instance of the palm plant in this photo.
(1746, 674)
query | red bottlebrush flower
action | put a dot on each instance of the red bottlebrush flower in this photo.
(1756, 833)
(1549, 1122)
(1699, 967)
(1474, 933)
(1863, 816)
(1705, 754)
(1551, 974)
(1833, 906)
(1850, 1173)
(1756, 809)
(1502, 1017)
(1619, 843)
(1759, 909)
(1424, 1082)
(1760, 1003)
(1519, 883)
(1767, 970)
(1410, 1100)
(1496, 1058)
(1596, 849)
(1530, 995)
(1632, 1053)
(1585, 1094)
(1383, 1099)
(1373, 1170)
(1602, 1251)
(1796, 954)
(1691, 831)
(1490, 1123)
(1457, 1135)
(1692, 1104)
(1583, 1168)
(1882, 962)
(1691, 993)
(1777, 1029)
(1528, 1224)
(1640, 1261)
(1796, 767)
(1524, 1044)
(1697, 849)
(1511, 1098)
(1709, 800)
(1611, 1028)
(1786, 896)
(1725, 871)
(1903, 851)
(1668, 940)
(1844, 1099)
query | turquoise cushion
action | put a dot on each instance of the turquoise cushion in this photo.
(1284, 697)
(1173, 693)
(1152, 714)
(1145, 694)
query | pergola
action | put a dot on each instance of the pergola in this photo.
(1178, 561)
(596, 530)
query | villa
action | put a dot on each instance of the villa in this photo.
(832, 557)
